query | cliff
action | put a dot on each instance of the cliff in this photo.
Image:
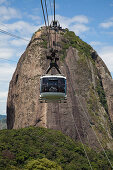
(89, 107)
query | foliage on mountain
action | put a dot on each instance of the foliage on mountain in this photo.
(70, 39)
(43, 164)
(33, 146)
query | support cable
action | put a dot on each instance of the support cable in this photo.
(12, 35)
(82, 144)
(94, 132)
(51, 9)
(48, 33)
(54, 10)
(54, 26)
(47, 13)
(8, 60)
(43, 13)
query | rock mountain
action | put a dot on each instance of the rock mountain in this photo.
(88, 114)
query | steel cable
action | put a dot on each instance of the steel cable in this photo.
(12, 35)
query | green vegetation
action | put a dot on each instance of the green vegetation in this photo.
(70, 39)
(32, 147)
(93, 103)
(43, 164)
(43, 44)
(101, 93)
(93, 109)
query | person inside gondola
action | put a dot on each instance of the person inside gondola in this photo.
(61, 85)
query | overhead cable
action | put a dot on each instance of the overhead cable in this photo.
(83, 145)
(8, 60)
(95, 132)
(54, 10)
(43, 13)
(51, 9)
(12, 35)
(47, 13)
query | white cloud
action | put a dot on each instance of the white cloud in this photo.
(7, 13)
(3, 111)
(3, 95)
(79, 28)
(2, 1)
(106, 53)
(3, 99)
(7, 71)
(107, 24)
(76, 23)
(80, 19)
(17, 42)
(22, 27)
(4, 41)
(95, 43)
(6, 53)
(34, 17)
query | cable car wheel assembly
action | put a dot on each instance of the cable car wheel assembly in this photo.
(52, 87)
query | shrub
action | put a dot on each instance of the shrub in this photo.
(43, 164)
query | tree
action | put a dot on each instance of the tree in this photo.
(42, 164)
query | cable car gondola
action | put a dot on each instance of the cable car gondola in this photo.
(53, 88)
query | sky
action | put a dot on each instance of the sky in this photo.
(91, 20)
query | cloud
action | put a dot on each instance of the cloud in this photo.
(2, 1)
(3, 95)
(3, 110)
(6, 53)
(34, 17)
(107, 24)
(7, 13)
(4, 40)
(23, 28)
(76, 23)
(96, 43)
(17, 42)
(79, 28)
(80, 19)
(3, 99)
(106, 53)
(7, 71)
(11, 48)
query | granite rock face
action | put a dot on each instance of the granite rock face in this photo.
(89, 107)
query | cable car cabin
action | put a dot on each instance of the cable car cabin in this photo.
(53, 88)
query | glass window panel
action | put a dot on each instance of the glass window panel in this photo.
(53, 84)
